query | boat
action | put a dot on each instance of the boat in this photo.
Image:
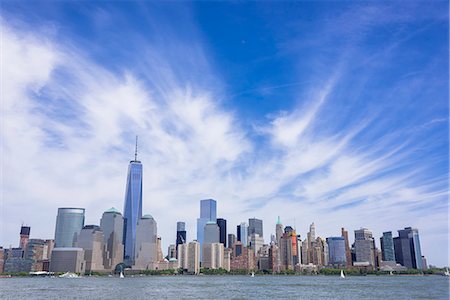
(390, 273)
(121, 275)
(69, 275)
(446, 273)
(342, 274)
(253, 274)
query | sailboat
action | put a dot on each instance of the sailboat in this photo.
(253, 274)
(446, 273)
(121, 275)
(342, 274)
(390, 273)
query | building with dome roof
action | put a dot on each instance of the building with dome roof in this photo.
(111, 224)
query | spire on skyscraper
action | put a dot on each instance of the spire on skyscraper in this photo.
(135, 151)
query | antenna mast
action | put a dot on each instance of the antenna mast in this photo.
(135, 151)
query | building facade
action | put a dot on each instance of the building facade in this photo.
(255, 226)
(222, 223)
(92, 242)
(69, 223)
(387, 246)
(111, 224)
(67, 260)
(407, 248)
(147, 245)
(337, 257)
(208, 213)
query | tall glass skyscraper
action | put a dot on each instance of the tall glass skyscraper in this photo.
(407, 248)
(132, 208)
(69, 223)
(336, 251)
(208, 213)
(387, 246)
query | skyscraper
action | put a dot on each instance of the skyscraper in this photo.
(348, 253)
(364, 246)
(231, 240)
(91, 241)
(181, 234)
(387, 246)
(278, 231)
(255, 226)
(69, 223)
(111, 224)
(407, 248)
(208, 213)
(242, 234)
(222, 223)
(147, 247)
(24, 237)
(132, 207)
(336, 252)
(211, 233)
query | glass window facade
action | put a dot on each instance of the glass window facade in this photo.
(336, 251)
(69, 223)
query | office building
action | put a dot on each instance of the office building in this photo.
(181, 234)
(132, 211)
(171, 251)
(348, 253)
(222, 223)
(111, 224)
(182, 253)
(213, 256)
(69, 223)
(364, 247)
(24, 236)
(231, 240)
(208, 213)
(193, 261)
(255, 226)
(278, 231)
(211, 233)
(68, 260)
(255, 243)
(407, 248)
(242, 233)
(92, 242)
(387, 246)
(337, 257)
(147, 244)
(288, 249)
(242, 258)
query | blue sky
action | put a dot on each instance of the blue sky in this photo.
(332, 112)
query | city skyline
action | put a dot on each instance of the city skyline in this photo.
(317, 113)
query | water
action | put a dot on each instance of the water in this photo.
(228, 287)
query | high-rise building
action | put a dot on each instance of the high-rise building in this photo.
(288, 249)
(147, 247)
(181, 234)
(171, 251)
(182, 253)
(211, 233)
(24, 236)
(69, 223)
(193, 261)
(208, 213)
(213, 256)
(91, 241)
(407, 248)
(387, 246)
(222, 223)
(68, 260)
(348, 253)
(336, 252)
(242, 233)
(242, 258)
(132, 211)
(255, 242)
(364, 247)
(255, 226)
(231, 240)
(278, 231)
(111, 224)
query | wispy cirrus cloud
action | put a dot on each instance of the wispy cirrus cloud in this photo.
(347, 154)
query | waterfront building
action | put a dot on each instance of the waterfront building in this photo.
(255, 226)
(181, 234)
(68, 259)
(171, 251)
(288, 249)
(193, 261)
(69, 223)
(2, 259)
(242, 258)
(36, 249)
(318, 252)
(348, 253)
(278, 231)
(213, 255)
(24, 236)
(146, 243)
(305, 252)
(336, 252)
(17, 265)
(182, 253)
(407, 248)
(227, 259)
(132, 211)
(208, 213)
(364, 247)
(222, 223)
(387, 246)
(231, 240)
(112, 224)
(311, 236)
(263, 259)
(92, 242)
(274, 258)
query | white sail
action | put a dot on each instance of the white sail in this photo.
(121, 275)
(342, 274)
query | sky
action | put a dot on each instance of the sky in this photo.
(331, 112)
